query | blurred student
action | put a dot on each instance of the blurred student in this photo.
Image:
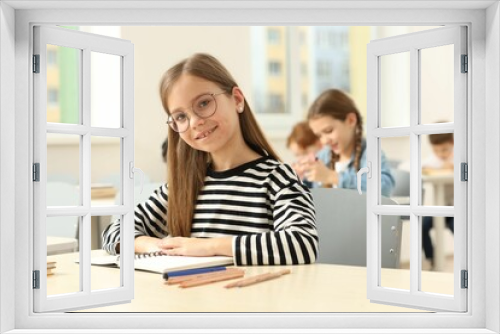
(227, 192)
(305, 146)
(334, 118)
(164, 150)
(440, 161)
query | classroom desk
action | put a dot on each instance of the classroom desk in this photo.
(98, 223)
(59, 245)
(439, 181)
(309, 288)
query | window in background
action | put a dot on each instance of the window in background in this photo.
(320, 53)
(274, 36)
(274, 68)
(270, 61)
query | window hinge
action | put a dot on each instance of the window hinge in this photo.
(36, 172)
(464, 171)
(36, 279)
(465, 279)
(465, 64)
(36, 63)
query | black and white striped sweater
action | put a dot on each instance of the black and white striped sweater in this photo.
(261, 203)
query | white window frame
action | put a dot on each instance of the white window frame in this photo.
(413, 44)
(86, 44)
(483, 211)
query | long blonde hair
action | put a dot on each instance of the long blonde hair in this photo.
(187, 167)
(336, 104)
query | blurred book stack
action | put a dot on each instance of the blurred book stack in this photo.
(102, 190)
(51, 266)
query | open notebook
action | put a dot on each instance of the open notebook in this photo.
(159, 263)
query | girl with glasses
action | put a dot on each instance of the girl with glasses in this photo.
(227, 193)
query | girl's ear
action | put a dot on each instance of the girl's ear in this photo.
(239, 99)
(351, 119)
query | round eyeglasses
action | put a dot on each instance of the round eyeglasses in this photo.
(204, 106)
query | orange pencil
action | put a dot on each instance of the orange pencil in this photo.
(180, 279)
(257, 279)
(202, 281)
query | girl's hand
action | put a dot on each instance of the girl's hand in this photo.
(145, 244)
(299, 169)
(300, 166)
(317, 171)
(448, 165)
(196, 246)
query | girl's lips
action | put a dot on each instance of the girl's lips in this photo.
(205, 134)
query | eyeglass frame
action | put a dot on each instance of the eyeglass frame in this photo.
(213, 95)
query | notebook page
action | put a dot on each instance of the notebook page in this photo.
(160, 264)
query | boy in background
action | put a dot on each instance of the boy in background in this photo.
(441, 161)
(305, 146)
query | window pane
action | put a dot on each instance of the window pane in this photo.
(111, 277)
(106, 170)
(62, 239)
(105, 90)
(437, 232)
(63, 170)
(437, 169)
(395, 89)
(63, 84)
(324, 60)
(437, 84)
(393, 273)
(396, 167)
(270, 61)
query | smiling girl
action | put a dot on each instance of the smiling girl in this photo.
(227, 193)
(334, 118)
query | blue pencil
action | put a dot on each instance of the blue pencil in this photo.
(196, 271)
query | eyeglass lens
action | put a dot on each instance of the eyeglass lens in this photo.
(204, 107)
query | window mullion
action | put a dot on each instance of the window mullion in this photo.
(415, 265)
(85, 171)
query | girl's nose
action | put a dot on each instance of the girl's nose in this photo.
(196, 121)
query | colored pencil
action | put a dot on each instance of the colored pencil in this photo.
(258, 279)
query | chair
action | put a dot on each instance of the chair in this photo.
(341, 224)
(115, 180)
(402, 186)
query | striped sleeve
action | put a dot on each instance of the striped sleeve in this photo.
(150, 219)
(293, 238)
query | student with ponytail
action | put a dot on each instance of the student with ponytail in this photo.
(334, 118)
(227, 193)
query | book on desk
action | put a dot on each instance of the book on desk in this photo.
(159, 263)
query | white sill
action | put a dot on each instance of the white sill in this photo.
(74, 141)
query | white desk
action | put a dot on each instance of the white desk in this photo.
(309, 288)
(59, 245)
(98, 223)
(439, 181)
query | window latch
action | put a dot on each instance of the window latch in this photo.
(133, 170)
(368, 170)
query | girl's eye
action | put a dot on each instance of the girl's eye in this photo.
(328, 131)
(179, 117)
(203, 104)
